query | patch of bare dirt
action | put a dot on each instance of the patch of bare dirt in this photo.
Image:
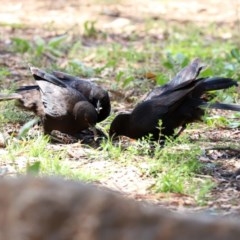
(117, 13)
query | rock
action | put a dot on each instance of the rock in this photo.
(51, 208)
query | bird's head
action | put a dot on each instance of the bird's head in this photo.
(120, 126)
(85, 113)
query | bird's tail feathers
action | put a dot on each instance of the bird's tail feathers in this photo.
(27, 88)
(217, 83)
(222, 106)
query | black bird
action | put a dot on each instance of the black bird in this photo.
(176, 104)
(64, 102)
(95, 94)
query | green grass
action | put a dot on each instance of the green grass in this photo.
(126, 64)
(4, 72)
(9, 113)
(39, 158)
(174, 167)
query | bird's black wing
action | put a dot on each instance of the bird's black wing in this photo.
(189, 73)
(57, 97)
(92, 92)
(40, 74)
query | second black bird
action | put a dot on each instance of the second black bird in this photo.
(175, 104)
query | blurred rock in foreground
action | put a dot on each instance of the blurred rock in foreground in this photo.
(50, 208)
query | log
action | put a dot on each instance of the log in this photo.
(52, 208)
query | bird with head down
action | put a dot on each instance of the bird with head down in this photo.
(174, 104)
(64, 103)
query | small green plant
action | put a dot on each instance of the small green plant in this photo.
(143, 147)
(112, 151)
(161, 79)
(4, 72)
(26, 127)
(33, 168)
(216, 121)
(222, 121)
(122, 79)
(175, 62)
(172, 181)
(90, 29)
(235, 52)
(53, 47)
(203, 192)
(9, 113)
(78, 68)
(21, 45)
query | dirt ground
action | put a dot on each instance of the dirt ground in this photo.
(109, 13)
(124, 17)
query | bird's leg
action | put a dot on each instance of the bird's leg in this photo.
(180, 131)
(63, 138)
(95, 134)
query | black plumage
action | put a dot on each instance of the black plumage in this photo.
(176, 104)
(94, 94)
(64, 102)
